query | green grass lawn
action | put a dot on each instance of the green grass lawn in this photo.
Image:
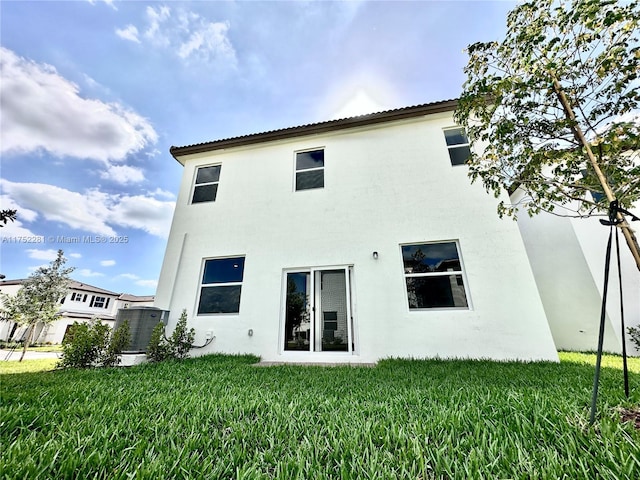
(220, 417)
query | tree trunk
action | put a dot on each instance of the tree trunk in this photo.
(27, 340)
(629, 235)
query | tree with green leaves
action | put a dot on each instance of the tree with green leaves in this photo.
(553, 109)
(6, 216)
(37, 300)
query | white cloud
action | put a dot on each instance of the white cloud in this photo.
(130, 32)
(360, 104)
(130, 276)
(158, 192)
(147, 283)
(107, 263)
(93, 211)
(49, 254)
(75, 255)
(155, 17)
(188, 35)
(43, 110)
(107, 2)
(209, 41)
(85, 272)
(15, 229)
(138, 281)
(123, 174)
(144, 213)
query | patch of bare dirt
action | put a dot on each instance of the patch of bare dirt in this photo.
(631, 415)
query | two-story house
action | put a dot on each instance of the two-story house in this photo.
(349, 241)
(81, 303)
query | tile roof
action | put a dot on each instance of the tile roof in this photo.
(315, 128)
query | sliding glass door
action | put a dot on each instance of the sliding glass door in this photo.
(318, 311)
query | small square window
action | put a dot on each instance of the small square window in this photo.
(206, 184)
(99, 302)
(458, 145)
(221, 285)
(433, 275)
(309, 170)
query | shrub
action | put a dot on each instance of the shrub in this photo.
(84, 344)
(634, 334)
(91, 344)
(158, 349)
(182, 339)
(120, 340)
(177, 346)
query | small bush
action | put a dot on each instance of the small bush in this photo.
(91, 344)
(181, 339)
(120, 340)
(634, 334)
(83, 344)
(177, 346)
(158, 349)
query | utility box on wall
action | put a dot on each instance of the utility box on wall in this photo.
(142, 321)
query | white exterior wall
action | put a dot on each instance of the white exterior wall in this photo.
(69, 313)
(568, 257)
(385, 185)
(85, 307)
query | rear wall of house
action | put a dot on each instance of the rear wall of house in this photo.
(384, 186)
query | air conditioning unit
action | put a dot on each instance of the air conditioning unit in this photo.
(142, 321)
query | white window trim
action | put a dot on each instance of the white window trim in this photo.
(352, 325)
(194, 184)
(462, 272)
(230, 284)
(315, 169)
(459, 145)
(104, 301)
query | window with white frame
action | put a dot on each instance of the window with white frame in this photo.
(458, 145)
(206, 184)
(221, 285)
(310, 169)
(78, 297)
(433, 275)
(99, 302)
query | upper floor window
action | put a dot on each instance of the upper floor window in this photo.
(78, 297)
(309, 169)
(206, 184)
(221, 285)
(99, 302)
(434, 276)
(458, 145)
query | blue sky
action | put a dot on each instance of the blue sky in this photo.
(93, 94)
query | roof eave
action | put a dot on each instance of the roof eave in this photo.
(315, 128)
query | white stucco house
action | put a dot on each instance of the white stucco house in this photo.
(568, 258)
(349, 241)
(82, 302)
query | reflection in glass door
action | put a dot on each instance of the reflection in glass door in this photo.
(318, 311)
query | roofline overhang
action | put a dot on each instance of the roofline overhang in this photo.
(316, 128)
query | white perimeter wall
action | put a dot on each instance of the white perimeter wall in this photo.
(568, 258)
(384, 186)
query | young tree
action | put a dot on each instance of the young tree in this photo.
(6, 215)
(554, 108)
(37, 300)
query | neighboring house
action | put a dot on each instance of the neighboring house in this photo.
(81, 303)
(568, 257)
(349, 241)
